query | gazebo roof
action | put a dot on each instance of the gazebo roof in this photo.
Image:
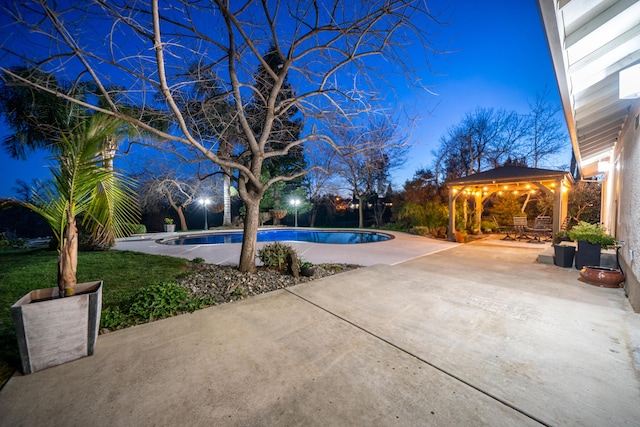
(511, 174)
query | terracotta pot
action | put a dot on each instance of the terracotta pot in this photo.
(460, 237)
(602, 276)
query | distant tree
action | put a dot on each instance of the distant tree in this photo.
(366, 157)
(505, 207)
(163, 186)
(36, 118)
(420, 188)
(320, 182)
(545, 134)
(420, 201)
(584, 202)
(26, 191)
(208, 113)
(482, 140)
(286, 127)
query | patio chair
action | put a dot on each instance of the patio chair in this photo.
(541, 230)
(501, 229)
(520, 227)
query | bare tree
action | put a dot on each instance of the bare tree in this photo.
(163, 186)
(320, 181)
(545, 134)
(484, 138)
(139, 50)
(366, 157)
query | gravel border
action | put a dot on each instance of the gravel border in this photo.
(227, 284)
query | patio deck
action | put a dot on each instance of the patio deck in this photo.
(476, 334)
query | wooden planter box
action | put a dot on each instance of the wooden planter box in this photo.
(52, 330)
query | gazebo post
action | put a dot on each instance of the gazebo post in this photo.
(479, 208)
(452, 216)
(560, 207)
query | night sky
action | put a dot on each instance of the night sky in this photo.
(498, 58)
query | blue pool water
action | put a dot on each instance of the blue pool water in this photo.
(313, 236)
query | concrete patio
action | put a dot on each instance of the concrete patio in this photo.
(475, 334)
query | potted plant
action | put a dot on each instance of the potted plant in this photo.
(563, 255)
(169, 226)
(563, 236)
(307, 269)
(460, 236)
(60, 324)
(591, 239)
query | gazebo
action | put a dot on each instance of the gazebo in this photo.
(515, 179)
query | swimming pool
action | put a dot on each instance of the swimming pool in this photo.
(311, 236)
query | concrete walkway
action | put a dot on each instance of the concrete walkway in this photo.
(478, 334)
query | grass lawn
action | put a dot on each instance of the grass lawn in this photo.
(22, 271)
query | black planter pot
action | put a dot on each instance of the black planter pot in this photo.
(563, 255)
(587, 254)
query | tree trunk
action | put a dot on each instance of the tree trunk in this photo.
(360, 213)
(247, 262)
(68, 258)
(276, 203)
(526, 201)
(465, 212)
(314, 212)
(183, 220)
(226, 219)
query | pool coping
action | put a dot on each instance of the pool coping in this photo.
(188, 234)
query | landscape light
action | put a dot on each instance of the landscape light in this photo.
(295, 203)
(204, 203)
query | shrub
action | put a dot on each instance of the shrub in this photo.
(140, 229)
(420, 230)
(394, 226)
(274, 255)
(437, 214)
(592, 233)
(197, 260)
(432, 214)
(11, 242)
(487, 225)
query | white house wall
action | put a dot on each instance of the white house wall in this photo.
(627, 179)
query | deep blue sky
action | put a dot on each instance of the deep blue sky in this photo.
(498, 58)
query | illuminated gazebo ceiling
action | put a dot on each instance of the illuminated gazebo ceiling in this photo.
(511, 179)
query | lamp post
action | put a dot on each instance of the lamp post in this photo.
(204, 203)
(295, 203)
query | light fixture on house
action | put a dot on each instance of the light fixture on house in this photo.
(604, 166)
(630, 82)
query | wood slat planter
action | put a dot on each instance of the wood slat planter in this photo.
(52, 330)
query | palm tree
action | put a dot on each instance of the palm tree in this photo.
(84, 187)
